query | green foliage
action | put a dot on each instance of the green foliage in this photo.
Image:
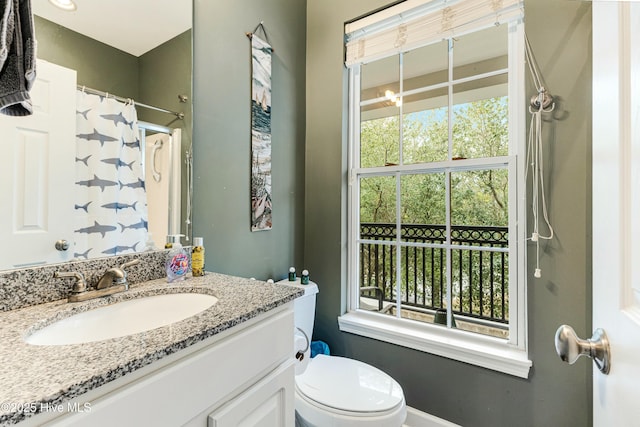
(478, 198)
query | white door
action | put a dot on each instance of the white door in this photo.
(37, 172)
(616, 208)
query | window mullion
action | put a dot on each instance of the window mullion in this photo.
(398, 193)
(398, 249)
(353, 187)
(448, 184)
(400, 110)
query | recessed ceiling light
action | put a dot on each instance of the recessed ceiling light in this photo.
(64, 4)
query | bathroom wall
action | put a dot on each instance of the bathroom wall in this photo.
(555, 394)
(309, 200)
(165, 72)
(99, 66)
(222, 137)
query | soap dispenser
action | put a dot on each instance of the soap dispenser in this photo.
(177, 263)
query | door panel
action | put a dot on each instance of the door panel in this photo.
(616, 208)
(37, 171)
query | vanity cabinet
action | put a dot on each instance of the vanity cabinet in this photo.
(242, 376)
(267, 403)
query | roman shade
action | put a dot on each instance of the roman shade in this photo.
(415, 23)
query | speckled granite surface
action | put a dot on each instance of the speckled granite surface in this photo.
(36, 285)
(35, 376)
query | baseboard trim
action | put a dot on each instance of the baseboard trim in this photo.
(416, 418)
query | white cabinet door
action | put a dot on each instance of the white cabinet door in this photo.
(616, 208)
(37, 172)
(269, 403)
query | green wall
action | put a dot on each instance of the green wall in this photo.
(164, 73)
(222, 137)
(555, 394)
(99, 66)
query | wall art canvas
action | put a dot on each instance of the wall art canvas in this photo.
(261, 214)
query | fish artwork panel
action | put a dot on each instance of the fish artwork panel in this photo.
(261, 203)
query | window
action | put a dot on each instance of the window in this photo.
(436, 183)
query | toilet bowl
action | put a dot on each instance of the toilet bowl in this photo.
(336, 391)
(332, 391)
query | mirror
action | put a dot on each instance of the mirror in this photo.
(119, 47)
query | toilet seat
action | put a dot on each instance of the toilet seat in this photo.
(339, 391)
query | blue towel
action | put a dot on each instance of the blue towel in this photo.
(319, 347)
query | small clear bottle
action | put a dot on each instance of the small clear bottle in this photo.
(197, 257)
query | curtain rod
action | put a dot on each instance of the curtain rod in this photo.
(121, 99)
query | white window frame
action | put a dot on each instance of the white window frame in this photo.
(508, 356)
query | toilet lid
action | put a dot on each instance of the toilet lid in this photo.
(349, 385)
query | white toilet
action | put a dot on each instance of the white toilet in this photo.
(335, 391)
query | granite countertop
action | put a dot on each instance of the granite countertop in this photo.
(34, 376)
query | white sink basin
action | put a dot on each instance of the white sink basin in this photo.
(122, 318)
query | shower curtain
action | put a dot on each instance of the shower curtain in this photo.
(111, 203)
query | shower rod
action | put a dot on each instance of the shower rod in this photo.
(121, 99)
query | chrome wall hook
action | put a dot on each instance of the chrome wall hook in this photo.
(543, 101)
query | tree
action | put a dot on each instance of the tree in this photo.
(478, 198)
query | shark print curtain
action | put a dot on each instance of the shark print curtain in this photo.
(111, 204)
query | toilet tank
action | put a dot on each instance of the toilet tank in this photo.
(304, 308)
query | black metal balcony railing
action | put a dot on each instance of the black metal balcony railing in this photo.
(479, 278)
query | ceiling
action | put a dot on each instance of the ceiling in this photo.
(134, 26)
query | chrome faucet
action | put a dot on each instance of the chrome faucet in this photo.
(113, 280)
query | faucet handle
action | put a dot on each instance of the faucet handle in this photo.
(124, 280)
(79, 286)
(129, 264)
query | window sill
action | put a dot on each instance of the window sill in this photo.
(487, 352)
